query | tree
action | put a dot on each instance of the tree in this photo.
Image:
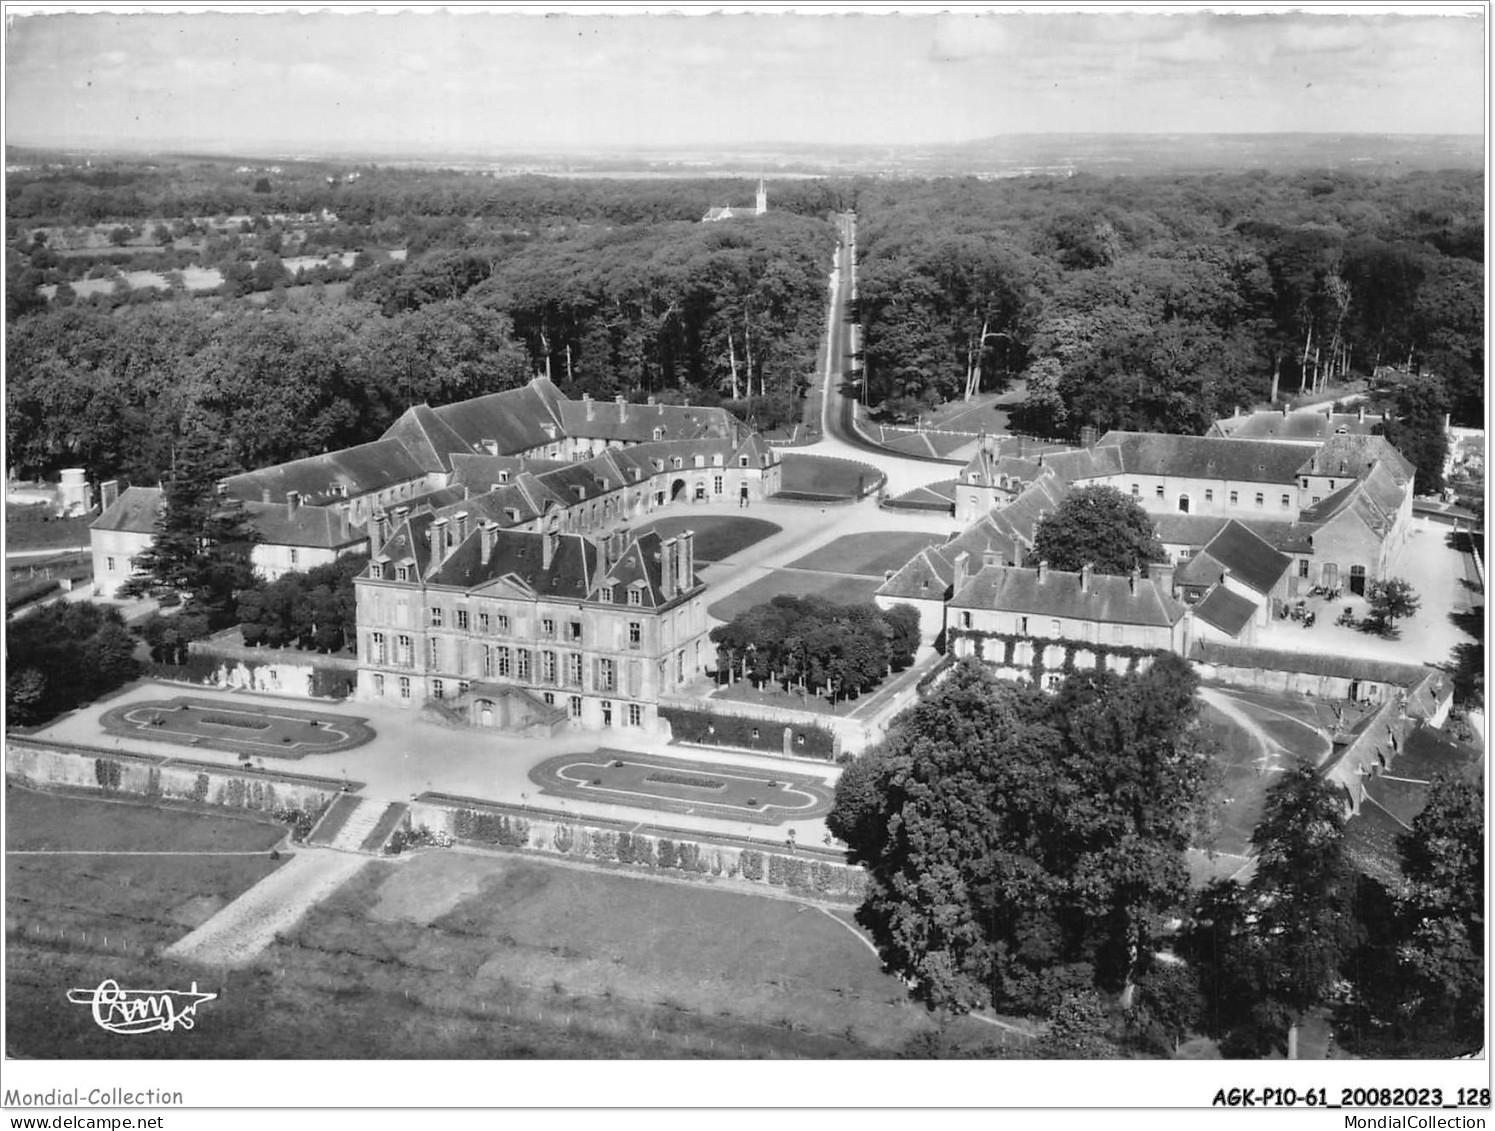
(1098, 526)
(62, 656)
(1391, 599)
(1443, 916)
(1301, 894)
(1078, 1030)
(1415, 428)
(121, 235)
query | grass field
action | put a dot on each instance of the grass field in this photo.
(823, 477)
(717, 536)
(871, 554)
(36, 821)
(481, 957)
(797, 583)
(34, 528)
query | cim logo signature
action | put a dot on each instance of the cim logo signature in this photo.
(140, 1011)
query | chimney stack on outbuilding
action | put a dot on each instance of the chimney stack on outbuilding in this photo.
(486, 539)
(1162, 575)
(962, 564)
(1043, 571)
(550, 542)
(438, 542)
(591, 407)
(377, 532)
(1136, 576)
(1085, 572)
(667, 568)
(108, 493)
(461, 527)
(622, 408)
(293, 502)
(686, 576)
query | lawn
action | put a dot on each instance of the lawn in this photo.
(34, 528)
(36, 821)
(797, 583)
(870, 555)
(456, 956)
(676, 786)
(717, 536)
(823, 477)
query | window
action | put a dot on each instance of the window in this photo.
(376, 571)
(742, 461)
(1055, 629)
(1287, 502)
(404, 652)
(1315, 500)
(635, 715)
(1183, 504)
(1022, 625)
(435, 616)
(1235, 497)
(607, 713)
(547, 667)
(1209, 495)
(1158, 490)
(462, 620)
(1260, 499)
(1053, 681)
(607, 594)
(635, 635)
(574, 703)
(607, 675)
(965, 620)
(434, 652)
(295, 556)
(505, 662)
(404, 687)
(635, 596)
(378, 653)
(574, 632)
(485, 623)
(550, 698)
(716, 485)
(503, 624)
(547, 628)
(402, 573)
(1331, 485)
(699, 461)
(487, 661)
(462, 687)
(1118, 633)
(573, 669)
(1305, 483)
(1302, 567)
(1136, 491)
(680, 667)
(438, 689)
(522, 665)
(379, 686)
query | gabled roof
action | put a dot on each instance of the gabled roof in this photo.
(321, 528)
(1106, 599)
(1206, 457)
(1298, 427)
(1227, 611)
(484, 473)
(134, 512)
(1354, 456)
(513, 421)
(924, 577)
(362, 469)
(1311, 663)
(427, 437)
(637, 423)
(1176, 529)
(1237, 549)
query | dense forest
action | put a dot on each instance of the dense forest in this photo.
(1158, 303)
(618, 295)
(1163, 303)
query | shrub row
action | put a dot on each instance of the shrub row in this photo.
(26, 592)
(695, 781)
(236, 793)
(490, 828)
(709, 729)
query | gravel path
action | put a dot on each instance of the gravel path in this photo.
(237, 934)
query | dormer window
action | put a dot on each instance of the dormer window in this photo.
(677, 463)
(376, 571)
(742, 461)
(635, 595)
(700, 461)
(503, 476)
(659, 434)
(716, 459)
(607, 595)
(402, 573)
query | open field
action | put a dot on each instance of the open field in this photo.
(824, 477)
(452, 955)
(717, 536)
(871, 554)
(656, 784)
(277, 732)
(34, 528)
(797, 583)
(193, 279)
(126, 904)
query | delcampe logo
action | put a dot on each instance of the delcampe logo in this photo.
(140, 1011)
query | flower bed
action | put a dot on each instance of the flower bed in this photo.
(226, 721)
(692, 780)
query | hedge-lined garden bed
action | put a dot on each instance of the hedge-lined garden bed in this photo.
(704, 728)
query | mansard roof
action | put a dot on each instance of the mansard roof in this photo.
(1297, 427)
(637, 423)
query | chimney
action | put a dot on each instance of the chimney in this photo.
(1085, 571)
(461, 527)
(1284, 412)
(1360, 413)
(1087, 436)
(651, 398)
(667, 569)
(1236, 415)
(1017, 554)
(377, 533)
(1134, 578)
(438, 542)
(622, 408)
(687, 574)
(603, 545)
(265, 495)
(108, 493)
(1162, 575)
(586, 399)
(1043, 571)
(962, 565)
(293, 502)
(486, 534)
(550, 541)
(990, 557)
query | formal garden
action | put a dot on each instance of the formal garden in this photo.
(243, 728)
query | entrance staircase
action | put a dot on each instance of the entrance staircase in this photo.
(359, 817)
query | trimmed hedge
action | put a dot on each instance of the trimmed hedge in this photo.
(707, 729)
(490, 828)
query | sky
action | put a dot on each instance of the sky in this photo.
(479, 79)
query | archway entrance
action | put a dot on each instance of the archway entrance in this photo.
(485, 712)
(1183, 504)
(677, 489)
(1357, 580)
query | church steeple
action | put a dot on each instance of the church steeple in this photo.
(762, 203)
